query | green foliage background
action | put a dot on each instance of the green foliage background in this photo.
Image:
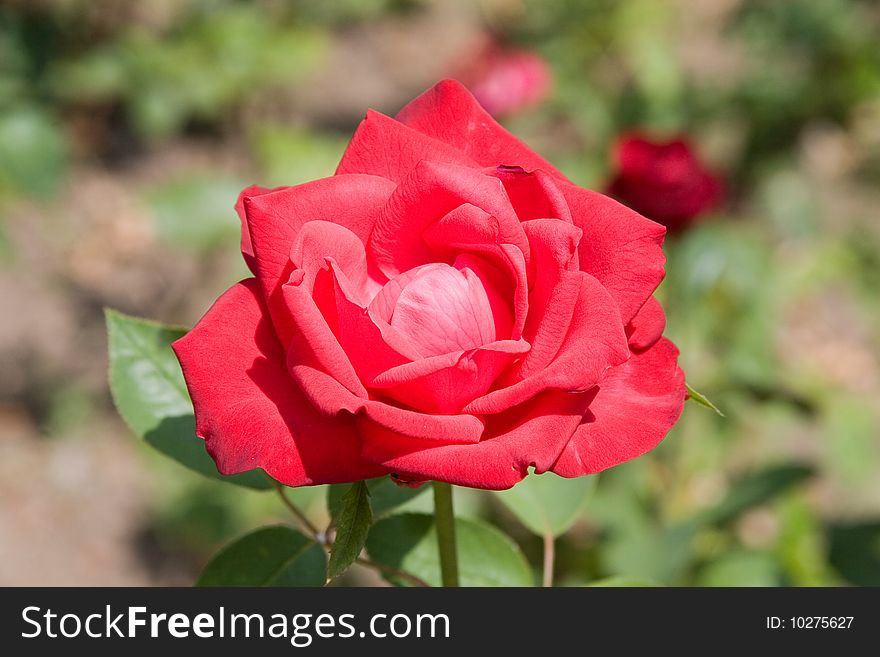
(127, 130)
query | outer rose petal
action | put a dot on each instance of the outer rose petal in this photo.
(330, 397)
(450, 113)
(384, 147)
(532, 434)
(247, 248)
(620, 247)
(637, 404)
(647, 326)
(248, 410)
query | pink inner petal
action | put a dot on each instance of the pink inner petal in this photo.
(444, 309)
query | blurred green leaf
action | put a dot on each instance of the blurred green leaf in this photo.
(196, 212)
(33, 152)
(385, 496)
(755, 489)
(486, 557)
(742, 569)
(547, 503)
(270, 556)
(151, 396)
(216, 61)
(352, 525)
(98, 76)
(851, 428)
(855, 552)
(645, 551)
(801, 549)
(290, 157)
(702, 400)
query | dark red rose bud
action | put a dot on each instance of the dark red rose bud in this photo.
(663, 180)
(506, 80)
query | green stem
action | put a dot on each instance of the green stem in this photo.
(444, 519)
(294, 509)
(549, 558)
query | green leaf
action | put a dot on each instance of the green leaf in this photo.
(385, 496)
(702, 400)
(352, 526)
(486, 557)
(755, 489)
(270, 556)
(547, 503)
(150, 394)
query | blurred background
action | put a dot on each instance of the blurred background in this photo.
(128, 129)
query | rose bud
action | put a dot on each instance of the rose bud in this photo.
(663, 180)
(505, 80)
(448, 306)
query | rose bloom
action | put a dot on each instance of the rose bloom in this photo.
(448, 306)
(506, 81)
(664, 180)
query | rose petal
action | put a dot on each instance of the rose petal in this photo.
(330, 397)
(317, 241)
(471, 234)
(274, 219)
(554, 293)
(449, 112)
(431, 192)
(594, 342)
(531, 435)
(247, 249)
(311, 337)
(249, 411)
(444, 310)
(636, 405)
(371, 343)
(533, 195)
(647, 326)
(621, 248)
(445, 383)
(382, 146)
(499, 289)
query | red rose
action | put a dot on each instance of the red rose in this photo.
(448, 306)
(663, 180)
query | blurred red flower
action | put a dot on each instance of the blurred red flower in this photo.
(663, 180)
(506, 80)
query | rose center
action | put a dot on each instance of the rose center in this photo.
(444, 309)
